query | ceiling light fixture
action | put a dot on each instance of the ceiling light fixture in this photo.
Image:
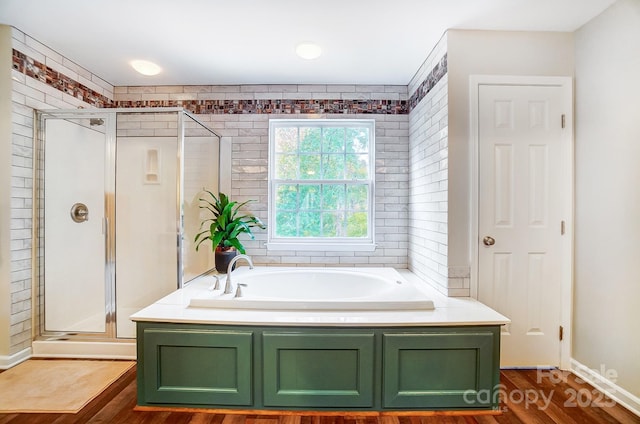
(145, 67)
(308, 51)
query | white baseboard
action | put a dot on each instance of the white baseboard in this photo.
(609, 388)
(7, 362)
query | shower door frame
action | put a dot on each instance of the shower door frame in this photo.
(39, 256)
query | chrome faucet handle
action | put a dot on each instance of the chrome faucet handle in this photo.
(216, 285)
(239, 289)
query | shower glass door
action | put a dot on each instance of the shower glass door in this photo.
(75, 268)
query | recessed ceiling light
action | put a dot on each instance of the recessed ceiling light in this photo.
(145, 67)
(308, 50)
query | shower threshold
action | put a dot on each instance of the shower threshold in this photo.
(84, 349)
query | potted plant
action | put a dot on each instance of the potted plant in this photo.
(225, 223)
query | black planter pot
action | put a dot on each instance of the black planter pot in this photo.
(223, 258)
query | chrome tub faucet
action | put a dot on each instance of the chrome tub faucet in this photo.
(228, 288)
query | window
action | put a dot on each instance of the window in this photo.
(321, 184)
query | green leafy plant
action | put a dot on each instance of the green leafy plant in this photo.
(226, 223)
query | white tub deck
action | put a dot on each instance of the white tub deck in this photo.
(448, 311)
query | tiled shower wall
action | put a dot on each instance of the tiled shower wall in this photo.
(33, 89)
(248, 134)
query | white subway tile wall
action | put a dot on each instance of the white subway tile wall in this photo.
(29, 94)
(428, 153)
(249, 137)
(428, 193)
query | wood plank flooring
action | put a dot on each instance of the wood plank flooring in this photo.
(527, 396)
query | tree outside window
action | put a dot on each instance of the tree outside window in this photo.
(321, 178)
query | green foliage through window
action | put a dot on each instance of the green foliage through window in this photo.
(322, 210)
(322, 180)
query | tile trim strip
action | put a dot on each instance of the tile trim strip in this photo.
(284, 106)
(41, 72)
(429, 82)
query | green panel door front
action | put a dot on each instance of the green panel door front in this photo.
(321, 370)
(443, 370)
(197, 367)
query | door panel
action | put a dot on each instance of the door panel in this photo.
(74, 268)
(205, 367)
(439, 370)
(520, 211)
(319, 370)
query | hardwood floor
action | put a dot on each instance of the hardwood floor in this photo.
(528, 396)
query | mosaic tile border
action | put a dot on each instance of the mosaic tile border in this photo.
(387, 107)
(37, 70)
(432, 79)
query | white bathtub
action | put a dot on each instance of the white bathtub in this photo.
(331, 289)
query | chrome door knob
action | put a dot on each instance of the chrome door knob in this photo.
(489, 241)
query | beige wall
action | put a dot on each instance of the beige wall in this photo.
(5, 188)
(607, 269)
(488, 53)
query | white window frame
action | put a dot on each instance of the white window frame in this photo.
(339, 244)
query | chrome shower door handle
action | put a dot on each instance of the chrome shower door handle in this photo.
(489, 241)
(79, 212)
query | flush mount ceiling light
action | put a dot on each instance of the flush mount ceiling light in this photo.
(308, 50)
(145, 67)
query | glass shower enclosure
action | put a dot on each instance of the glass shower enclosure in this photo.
(116, 211)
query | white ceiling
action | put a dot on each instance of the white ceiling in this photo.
(210, 42)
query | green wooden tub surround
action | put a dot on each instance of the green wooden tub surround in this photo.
(318, 368)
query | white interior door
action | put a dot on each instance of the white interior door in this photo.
(520, 256)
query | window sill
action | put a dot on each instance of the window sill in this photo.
(331, 247)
